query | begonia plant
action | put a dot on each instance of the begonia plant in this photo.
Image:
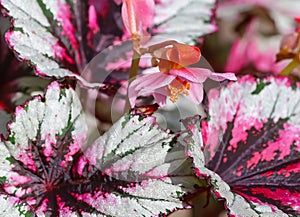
(67, 66)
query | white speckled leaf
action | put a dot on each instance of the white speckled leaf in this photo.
(46, 121)
(252, 140)
(235, 203)
(44, 33)
(184, 21)
(7, 207)
(44, 136)
(134, 168)
(137, 151)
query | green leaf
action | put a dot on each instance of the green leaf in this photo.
(260, 86)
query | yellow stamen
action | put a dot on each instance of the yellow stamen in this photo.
(178, 87)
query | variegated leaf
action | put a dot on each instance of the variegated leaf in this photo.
(235, 203)
(152, 163)
(184, 21)
(12, 71)
(134, 169)
(252, 144)
(8, 204)
(60, 37)
(45, 136)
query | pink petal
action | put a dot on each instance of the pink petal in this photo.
(132, 98)
(243, 50)
(133, 92)
(137, 15)
(236, 59)
(153, 81)
(222, 76)
(160, 96)
(196, 93)
(197, 75)
(132, 95)
(145, 12)
(148, 84)
(126, 18)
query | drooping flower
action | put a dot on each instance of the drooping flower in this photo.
(289, 46)
(173, 77)
(290, 49)
(137, 16)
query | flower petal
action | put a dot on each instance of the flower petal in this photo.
(132, 95)
(236, 59)
(148, 84)
(222, 76)
(137, 15)
(153, 81)
(197, 75)
(183, 54)
(196, 93)
(160, 96)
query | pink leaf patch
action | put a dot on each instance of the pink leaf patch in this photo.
(257, 154)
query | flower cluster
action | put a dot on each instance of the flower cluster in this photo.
(174, 77)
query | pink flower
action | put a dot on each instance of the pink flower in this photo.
(137, 16)
(173, 77)
(289, 45)
(254, 50)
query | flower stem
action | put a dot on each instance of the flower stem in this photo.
(133, 69)
(289, 68)
(134, 64)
